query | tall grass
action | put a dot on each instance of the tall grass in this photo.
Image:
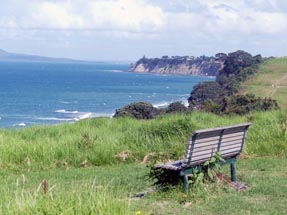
(103, 141)
(78, 198)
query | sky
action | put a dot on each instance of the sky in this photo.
(125, 30)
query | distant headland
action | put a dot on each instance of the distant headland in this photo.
(15, 57)
(183, 65)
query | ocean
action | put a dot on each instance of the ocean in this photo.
(37, 93)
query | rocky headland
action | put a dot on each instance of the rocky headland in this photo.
(183, 65)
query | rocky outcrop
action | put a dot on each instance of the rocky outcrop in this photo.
(186, 65)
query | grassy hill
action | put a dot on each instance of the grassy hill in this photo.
(94, 165)
(270, 81)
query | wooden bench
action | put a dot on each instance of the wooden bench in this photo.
(203, 144)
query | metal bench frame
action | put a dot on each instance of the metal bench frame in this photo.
(203, 144)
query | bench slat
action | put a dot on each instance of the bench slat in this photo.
(222, 148)
(205, 147)
(223, 128)
(224, 141)
(204, 156)
(207, 133)
(224, 136)
(198, 145)
(196, 153)
(231, 149)
(231, 143)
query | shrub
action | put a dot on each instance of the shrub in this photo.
(176, 107)
(138, 110)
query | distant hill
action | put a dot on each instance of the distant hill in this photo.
(183, 65)
(270, 81)
(7, 56)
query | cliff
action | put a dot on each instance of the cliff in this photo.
(186, 65)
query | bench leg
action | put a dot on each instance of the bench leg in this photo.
(233, 172)
(185, 182)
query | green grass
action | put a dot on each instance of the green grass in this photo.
(107, 190)
(72, 191)
(93, 166)
(270, 81)
(104, 141)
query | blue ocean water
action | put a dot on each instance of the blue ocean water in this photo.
(49, 93)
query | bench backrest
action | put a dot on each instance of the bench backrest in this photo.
(203, 144)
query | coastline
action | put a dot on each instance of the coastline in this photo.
(81, 116)
(54, 93)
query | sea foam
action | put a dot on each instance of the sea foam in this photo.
(54, 119)
(161, 104)
(22, 124)
(66, 111)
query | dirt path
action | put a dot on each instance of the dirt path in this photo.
(275, 87)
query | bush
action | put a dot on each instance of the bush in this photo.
(138, 110)
(176, 107)
(204, 91)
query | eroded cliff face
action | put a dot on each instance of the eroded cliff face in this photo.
(204, 66)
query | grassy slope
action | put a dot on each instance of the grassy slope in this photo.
(107, 190)
(270, 81)
(97, 142)
(94, 165)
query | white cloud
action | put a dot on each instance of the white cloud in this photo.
(144, 26)
(53, 15)
(134, 17)
(125, 15)
(219, 16)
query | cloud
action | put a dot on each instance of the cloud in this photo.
(142, 17)
(124, 15)
(144, 26)
(219, 16)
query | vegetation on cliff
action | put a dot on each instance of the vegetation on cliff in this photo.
(185, 65)
(223, 95)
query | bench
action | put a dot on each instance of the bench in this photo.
(203, 144)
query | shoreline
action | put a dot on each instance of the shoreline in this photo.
(71, 120)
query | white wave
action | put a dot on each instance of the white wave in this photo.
(66, 102)
(66, 111)
(83, 116)
(103, 115)
(115, 70)
(54, 119)
(93, 115)
(22, 124)
(112, 70)
(165, 104)
(185, 102)
(161, 104)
